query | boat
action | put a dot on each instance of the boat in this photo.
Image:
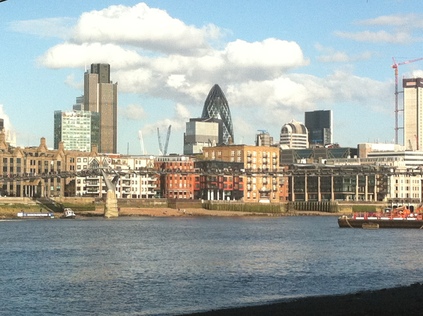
(400, 217)
(23, 214)
(68, 213)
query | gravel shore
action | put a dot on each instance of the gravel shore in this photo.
(407, 301)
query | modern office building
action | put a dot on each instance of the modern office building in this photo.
(202, 133)
(79, 103)
(264, 139)
(294, 135)
(216, 106)
(413, 113)
(320, 127)
(100, 95)
(78, 130)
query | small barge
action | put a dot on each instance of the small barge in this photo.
(398, 218)
(35, 215)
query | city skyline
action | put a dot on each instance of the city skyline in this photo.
(288, 59)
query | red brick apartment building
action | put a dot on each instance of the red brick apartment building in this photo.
(262, 181)
(177, 179)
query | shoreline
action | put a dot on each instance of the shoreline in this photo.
(197, 212)
(401, 300)
(170, 212)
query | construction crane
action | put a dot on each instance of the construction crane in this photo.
(163, 150)
(395, 67)
(141, 142)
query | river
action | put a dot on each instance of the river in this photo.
(169, 266)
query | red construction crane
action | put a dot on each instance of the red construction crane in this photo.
(395, 66)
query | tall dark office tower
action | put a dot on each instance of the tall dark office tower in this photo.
(100, 95)
(320, 128)
(216, 106)
(103, 72)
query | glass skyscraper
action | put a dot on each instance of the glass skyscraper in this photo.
(320, 127)
(216, 107)
(78, 130)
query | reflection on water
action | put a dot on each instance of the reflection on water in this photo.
(157, 266)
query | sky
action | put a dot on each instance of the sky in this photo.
(273, 59)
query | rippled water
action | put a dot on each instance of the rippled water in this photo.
(168, 266)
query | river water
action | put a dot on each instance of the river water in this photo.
(169, 266)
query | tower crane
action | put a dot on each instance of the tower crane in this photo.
(160, 142)
(141, 142)
(395, 67)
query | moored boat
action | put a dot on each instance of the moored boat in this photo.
(398, 218)
(68, 213)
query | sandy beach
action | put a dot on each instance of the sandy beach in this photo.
(407, 301)
(170, 212)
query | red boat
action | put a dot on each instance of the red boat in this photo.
(400, 217)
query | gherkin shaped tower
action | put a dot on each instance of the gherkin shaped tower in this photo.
(216, 106)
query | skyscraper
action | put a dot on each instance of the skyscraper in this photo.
(413, 113)
(320, 127)
(100, 95)
(216, 106)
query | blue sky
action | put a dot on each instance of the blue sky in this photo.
(273, 59)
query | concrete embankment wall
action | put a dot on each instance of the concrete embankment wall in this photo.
(97, 204)
(91, 204)
(16, 200)
(336, 206)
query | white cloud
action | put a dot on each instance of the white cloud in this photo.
(415, 74)
(68, 55)
(50, 27)
(270, 53)
(142, 26)
(132, 112)
(330, 55)
(398, 29)
(70, 81)
(103, 36)
(398, 20)
(379, 37)
(176, 81)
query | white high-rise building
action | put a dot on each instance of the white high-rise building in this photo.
(413, 113)
(202, 133)
(294, 135)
